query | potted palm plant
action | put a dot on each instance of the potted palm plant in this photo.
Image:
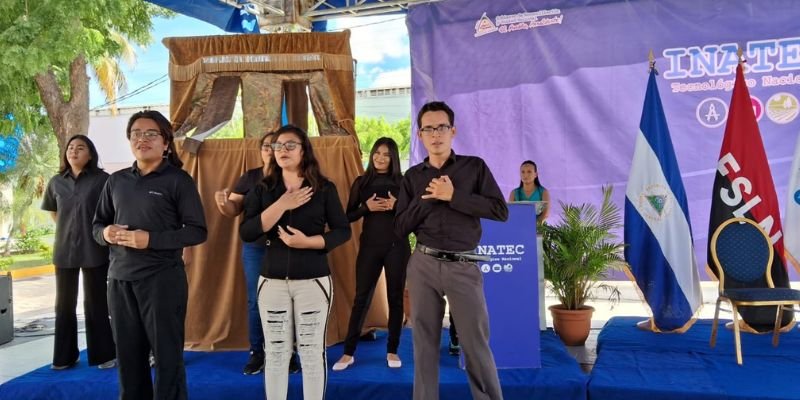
(579, 251)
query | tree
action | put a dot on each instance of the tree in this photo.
(46, 46)
(38, 159)
(370, 129)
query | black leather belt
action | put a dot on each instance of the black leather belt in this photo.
(451, 256)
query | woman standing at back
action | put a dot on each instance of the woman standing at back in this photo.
(372, 197)
(231, 204)
(531, 190)
(71, 198)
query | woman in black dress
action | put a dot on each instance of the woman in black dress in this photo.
(373, 196)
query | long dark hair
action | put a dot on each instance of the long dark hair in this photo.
(271, 136)
(394, 155)
(92, 165)
(166, 132)
(535, 169)
(309, 166)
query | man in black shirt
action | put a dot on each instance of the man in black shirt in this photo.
(147, 214)
(442, 201)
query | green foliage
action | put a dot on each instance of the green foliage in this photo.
(233, 130)
(371, 129)
(43, 34)
(42, 230)
(30, 243)
(37, 162)
(47, 253)
(5, 263)
(581, 249)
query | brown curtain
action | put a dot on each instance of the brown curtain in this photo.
(296, 103)
(268, 66)
(262, 95)
(217, 313)
(216, 317)
(327, 52)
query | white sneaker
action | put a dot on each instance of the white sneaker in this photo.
(341, 366)
(394, 363)
(108, 364)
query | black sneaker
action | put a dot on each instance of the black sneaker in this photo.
(454, 349)
(255, 364)
(294, 363)
(370, 336)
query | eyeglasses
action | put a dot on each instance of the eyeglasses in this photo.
(266, 146)
(148, 135)
(288, 146)
(441, 129)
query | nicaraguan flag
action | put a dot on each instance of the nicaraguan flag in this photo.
(657, 230)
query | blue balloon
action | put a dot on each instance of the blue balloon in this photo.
(9, 145)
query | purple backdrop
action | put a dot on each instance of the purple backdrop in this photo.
(563, 82)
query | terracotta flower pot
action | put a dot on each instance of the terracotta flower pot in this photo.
(572, 326)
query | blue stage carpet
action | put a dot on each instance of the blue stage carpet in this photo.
(635, 364)
(218, 376)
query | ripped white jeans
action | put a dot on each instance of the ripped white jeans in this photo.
(295, 310)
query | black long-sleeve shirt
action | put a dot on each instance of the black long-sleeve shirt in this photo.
(453, 225)
(245, 185)
(378, 226)
(74, 200)
(283, 262)
(164, 203)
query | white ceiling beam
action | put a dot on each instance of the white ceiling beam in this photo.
(361, 8)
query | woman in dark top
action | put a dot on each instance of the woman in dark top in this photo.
(147, 215)
(71, 198)
(230, 204)
(372, 197)
(291, 210)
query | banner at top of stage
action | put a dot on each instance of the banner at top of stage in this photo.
(559, 82)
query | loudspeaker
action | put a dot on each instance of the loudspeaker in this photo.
(6, 310)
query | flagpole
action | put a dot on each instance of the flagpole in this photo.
(648, 324)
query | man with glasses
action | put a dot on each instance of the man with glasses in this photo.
(442, 201)
(147, 214)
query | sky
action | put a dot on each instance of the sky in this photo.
(379, 45)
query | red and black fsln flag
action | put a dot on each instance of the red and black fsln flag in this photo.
(743, 187)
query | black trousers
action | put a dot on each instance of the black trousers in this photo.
(99, 340)
(149, 314)
(369, 263)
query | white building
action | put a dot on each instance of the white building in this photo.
(391, 103)
(108, 134)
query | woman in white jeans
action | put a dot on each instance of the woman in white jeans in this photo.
(292, 207)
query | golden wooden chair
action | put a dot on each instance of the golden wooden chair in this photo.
(743, 253)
